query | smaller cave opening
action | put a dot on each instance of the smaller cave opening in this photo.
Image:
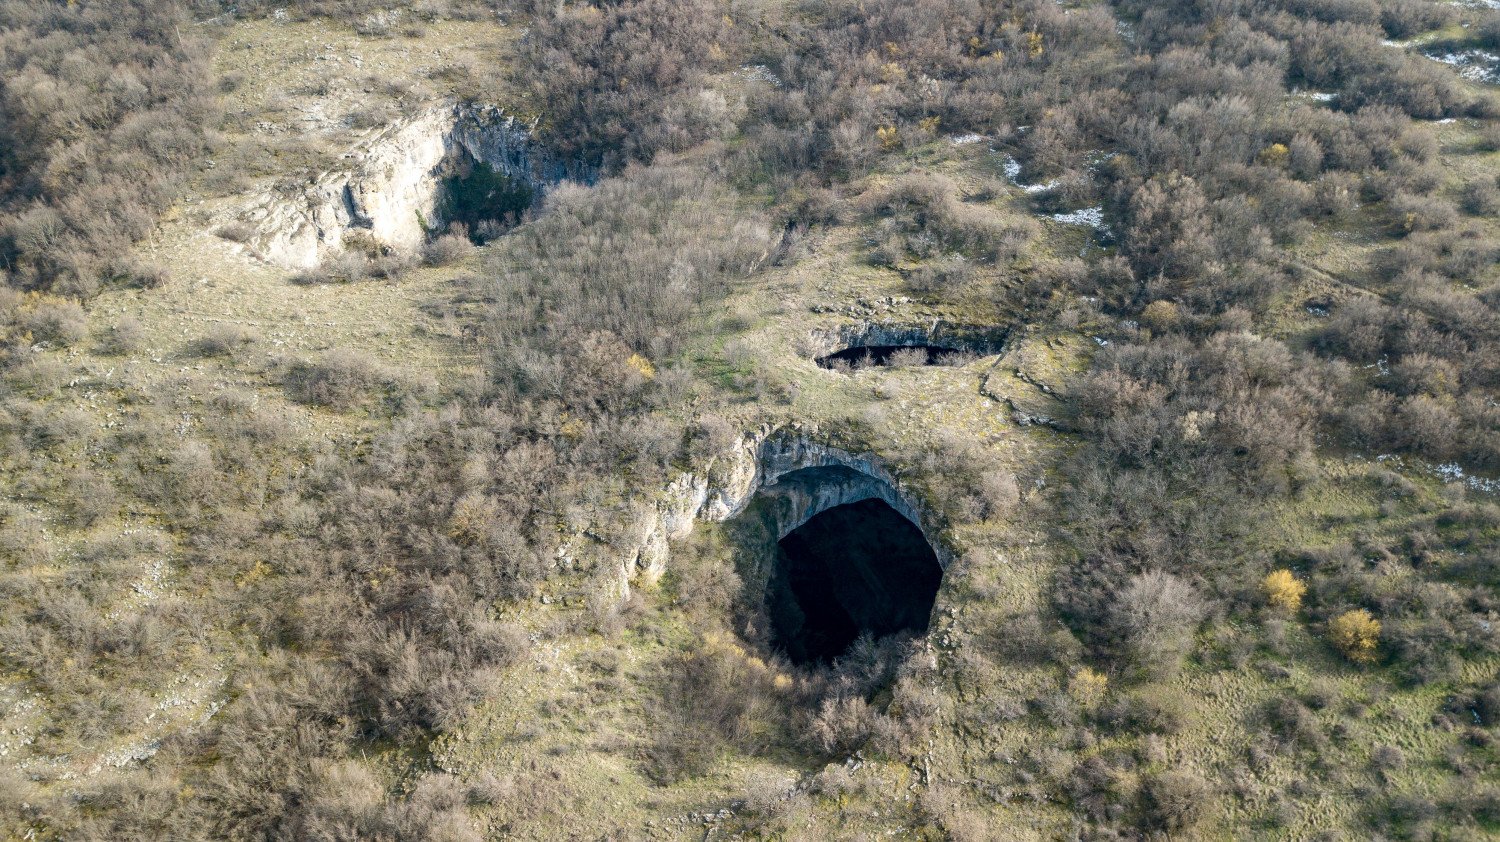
(854, 569)
(482, 199)
(866, 356)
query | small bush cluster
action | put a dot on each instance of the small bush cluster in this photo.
(921, 216)
(341, 380)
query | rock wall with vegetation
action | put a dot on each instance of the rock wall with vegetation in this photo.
(392, 188)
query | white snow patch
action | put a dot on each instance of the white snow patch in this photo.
(1012, 169)
(1098, 157)
(760, 73)
(1474, 65)
(1447, 472)
(1453, 472)
(1092, 217)
(967, 139)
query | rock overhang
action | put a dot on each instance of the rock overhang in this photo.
(390, 187)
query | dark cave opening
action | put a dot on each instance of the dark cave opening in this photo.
(486, 201)
(852, 569)
(864, 356)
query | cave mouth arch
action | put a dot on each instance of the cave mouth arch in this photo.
(829, 547)
(852, 569)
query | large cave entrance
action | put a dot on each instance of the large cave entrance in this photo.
(853, 569)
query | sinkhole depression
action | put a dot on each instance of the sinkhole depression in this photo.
(864, 356)
(871, 344)
(483, 199)
(834, 551)
(453, 163)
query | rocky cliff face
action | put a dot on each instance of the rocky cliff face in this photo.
(799, 476)
(980, 339)
(392, 184)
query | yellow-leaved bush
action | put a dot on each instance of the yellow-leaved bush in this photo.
(1282, 590)
(1356, 634)
(1088, 688)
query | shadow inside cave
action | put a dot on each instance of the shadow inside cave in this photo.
(482, 199)
(852, 569)
(864, 356)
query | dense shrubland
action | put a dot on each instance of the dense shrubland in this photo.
(371, 585)
(94, 96)
(370, 581)
(621, 81)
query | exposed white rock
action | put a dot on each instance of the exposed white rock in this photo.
(798, 477)
(391, 185)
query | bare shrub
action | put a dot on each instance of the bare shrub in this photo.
(128, 96)
(341, 380)
(1032, 638)
(145, 275)
(619, 82)
(1154, 618)
(347, 266)
(236, 232)
(1405, 18)
(1489, 137)
(907, 358)
(1385, 759)
(922, 216)
(1173, 801)
(1410, 213)
(1482, 197)
(1000, 492)
(945, 275)
(626, 288)
(311, 277)
(449, 248)
(843, 724)
(770, 795)
(57, 320)
(717, 697)
(226, 339)
(1295, 723)
(1153, 709)
(122, 338)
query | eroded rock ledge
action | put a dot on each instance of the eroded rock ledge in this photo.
(797, 476)
(978, 339)
(390, 186)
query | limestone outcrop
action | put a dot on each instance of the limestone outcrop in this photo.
(981, 340)
(798, 476)
(390, 187)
